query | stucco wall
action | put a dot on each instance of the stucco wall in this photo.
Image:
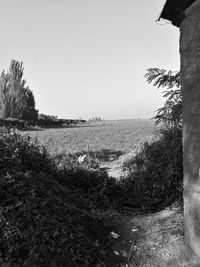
(190, 78)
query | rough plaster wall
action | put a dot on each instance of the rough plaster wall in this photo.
(190, 78)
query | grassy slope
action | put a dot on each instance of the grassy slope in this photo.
(51, 216)
(145, 240)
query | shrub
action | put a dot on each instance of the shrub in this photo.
(87, 177)
(21, 153)
(44, 224)
(156, 172)
(52, 216)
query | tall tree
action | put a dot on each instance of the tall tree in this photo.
(5, 97)
(17, 100)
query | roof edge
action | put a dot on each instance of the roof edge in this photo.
(176, 10)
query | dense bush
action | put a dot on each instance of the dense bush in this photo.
(155, 173)
(52, 216)
(22, 154)
(89, 178)
(91, 159)
(44, 224)
(14, 123)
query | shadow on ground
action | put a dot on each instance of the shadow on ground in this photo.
(155, 240)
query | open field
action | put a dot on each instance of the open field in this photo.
(113, 135)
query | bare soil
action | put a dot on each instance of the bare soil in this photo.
(153, 240)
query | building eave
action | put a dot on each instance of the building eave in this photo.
(174, 10)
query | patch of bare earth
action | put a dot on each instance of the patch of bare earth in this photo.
(154, 240)
(114, 168)
(151, 240)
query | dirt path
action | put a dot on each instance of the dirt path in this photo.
(153, 240)
(115, 168)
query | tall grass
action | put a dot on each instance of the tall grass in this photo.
(156, 171)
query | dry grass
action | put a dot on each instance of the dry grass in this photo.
(112, 135)
(153, 240)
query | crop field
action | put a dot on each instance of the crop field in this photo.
(122, 136)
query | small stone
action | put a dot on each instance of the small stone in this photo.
(134, 230)
(124, 254)
(114, 235)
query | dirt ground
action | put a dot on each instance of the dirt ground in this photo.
(151, 240)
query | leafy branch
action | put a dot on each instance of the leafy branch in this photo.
(171, 112)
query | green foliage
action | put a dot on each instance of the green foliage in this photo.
(89, 179)
(53, 121)
(171, 113)
(12, 123)
(95, 119)
(43, 224)
(91, 159)
(22, 154)
(52, 216)
(17, 100)
(47, 117)
(156, 172)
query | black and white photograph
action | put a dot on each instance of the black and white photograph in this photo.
(99, 133)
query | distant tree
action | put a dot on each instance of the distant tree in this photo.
(16, 99)
(5, 97)
(28, 107)
(95, 119)
(171, 112)
(47, 117)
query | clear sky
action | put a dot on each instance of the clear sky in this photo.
(86, 58)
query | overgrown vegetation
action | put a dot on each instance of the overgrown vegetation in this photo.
(89, 158)
(50, 215)
(156, 172)
(171, 112)
(58, 211)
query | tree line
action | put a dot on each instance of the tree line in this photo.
(17, 102)
(16, 98)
